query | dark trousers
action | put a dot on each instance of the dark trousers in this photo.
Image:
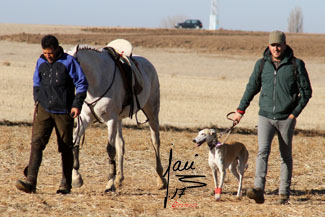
(43, 125)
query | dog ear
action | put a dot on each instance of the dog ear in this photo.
(213, 132)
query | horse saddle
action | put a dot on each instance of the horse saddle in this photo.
(121, 50)
(124, 49)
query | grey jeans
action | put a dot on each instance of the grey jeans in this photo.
(266, 131)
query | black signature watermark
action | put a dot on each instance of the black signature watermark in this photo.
(179, 167)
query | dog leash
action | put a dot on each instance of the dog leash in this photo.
(228, 130)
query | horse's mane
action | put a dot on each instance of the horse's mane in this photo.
(87, 47)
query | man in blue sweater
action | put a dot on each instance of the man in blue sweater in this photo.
(59, 89)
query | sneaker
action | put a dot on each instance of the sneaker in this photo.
(256, 194)
(283, 199)
(63, 190)
(25, 186)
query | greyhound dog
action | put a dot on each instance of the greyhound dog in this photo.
(222, 156)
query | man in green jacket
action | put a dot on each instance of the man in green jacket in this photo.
(285, 91)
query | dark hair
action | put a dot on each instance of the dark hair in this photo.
(49, 41)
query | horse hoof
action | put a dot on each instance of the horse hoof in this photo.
(112, 189)
(77, 180)
(77, 183)
(162, 184)
(118, 181)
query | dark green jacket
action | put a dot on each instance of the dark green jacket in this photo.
(282, 92)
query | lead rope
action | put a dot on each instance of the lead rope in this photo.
(79, 120)
(228, 130)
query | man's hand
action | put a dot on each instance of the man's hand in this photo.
(237, 117)
(291, 116)
(75, 112)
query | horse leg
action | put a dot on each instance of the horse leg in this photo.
(77, 180)
(154, 130)
(111, 151)
(82, 124)
(119, 141)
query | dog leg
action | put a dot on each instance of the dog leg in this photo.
(215, 179)
(239, 191)
(218, 190)
(233, 169)
(242, 166)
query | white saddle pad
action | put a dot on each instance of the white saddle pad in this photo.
(121, 46)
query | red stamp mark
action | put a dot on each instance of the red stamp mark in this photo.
(183, 205)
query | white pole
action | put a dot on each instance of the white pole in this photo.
(214, 13)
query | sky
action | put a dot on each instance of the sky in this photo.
(249, 15)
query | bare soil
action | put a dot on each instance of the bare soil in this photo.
(204, 41)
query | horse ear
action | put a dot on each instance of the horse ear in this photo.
(73, 51)
(213, 132)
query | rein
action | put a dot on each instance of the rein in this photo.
(92, 104)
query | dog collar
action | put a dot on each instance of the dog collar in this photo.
(218, 144)
(215, 144)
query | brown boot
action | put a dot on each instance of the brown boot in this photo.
(256, 194)
(25, 186)
(67, 165)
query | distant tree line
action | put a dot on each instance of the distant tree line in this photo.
(295, 20)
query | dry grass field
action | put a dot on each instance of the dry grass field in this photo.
(138, 195)
(202, 76)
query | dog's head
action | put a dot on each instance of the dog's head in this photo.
(205, 135)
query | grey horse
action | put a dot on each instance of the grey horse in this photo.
(102, 73)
